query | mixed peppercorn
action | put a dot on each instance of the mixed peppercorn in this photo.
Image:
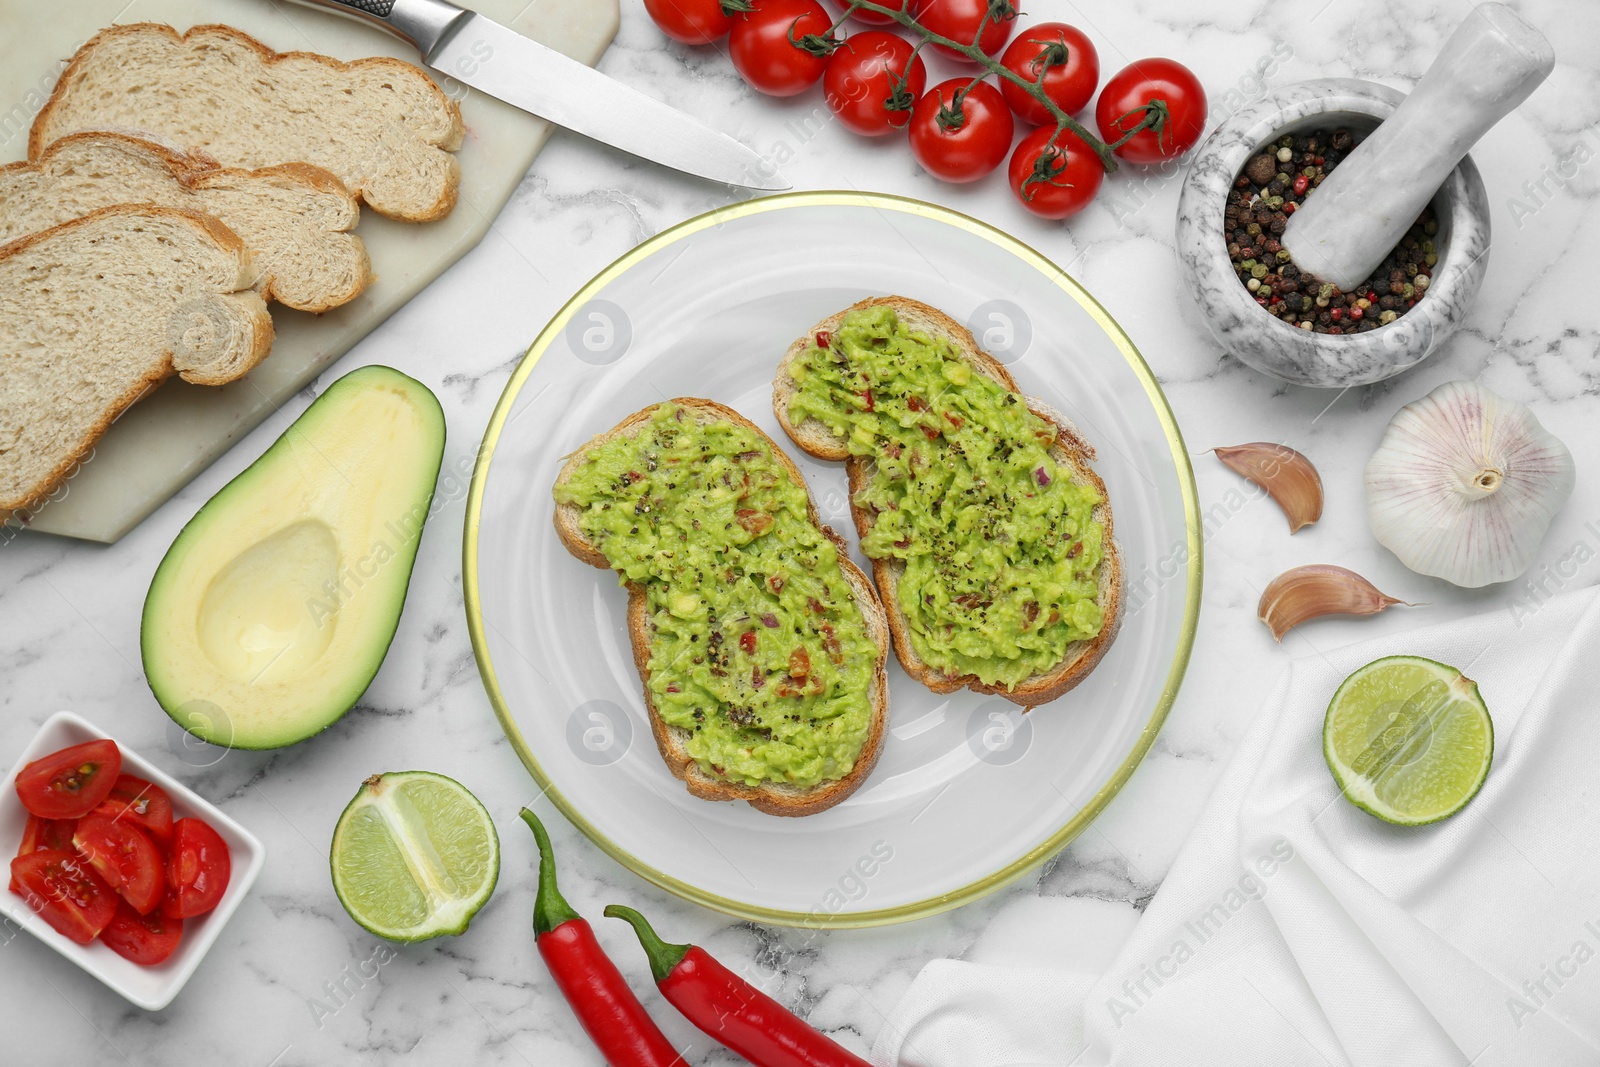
(1271, 188)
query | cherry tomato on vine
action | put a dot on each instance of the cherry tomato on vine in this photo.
(1055, 173)
(691, 21)
(959, 20)
(864, 77)
(1122, 102)
(1068, 61)
(961, 144)
(872, 18)
(67, 783)
(762, 53)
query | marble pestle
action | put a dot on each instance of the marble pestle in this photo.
(1487, 67)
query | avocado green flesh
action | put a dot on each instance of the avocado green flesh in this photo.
(1002, 554)
(757, 646)
(274, 607)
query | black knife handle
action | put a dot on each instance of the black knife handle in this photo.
(425, 23)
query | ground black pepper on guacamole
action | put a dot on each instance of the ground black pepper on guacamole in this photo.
(1002, 555)
(757, 647)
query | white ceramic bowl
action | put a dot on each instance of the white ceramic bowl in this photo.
(150, 988)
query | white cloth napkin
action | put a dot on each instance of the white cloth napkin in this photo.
(1295, 929)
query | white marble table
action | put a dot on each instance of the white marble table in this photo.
(293, 981)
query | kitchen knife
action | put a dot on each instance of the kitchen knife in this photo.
(493, 59)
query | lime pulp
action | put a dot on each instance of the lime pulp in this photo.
(414, 856)
(1408, 739)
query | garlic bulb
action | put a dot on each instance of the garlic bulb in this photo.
(1465, 484)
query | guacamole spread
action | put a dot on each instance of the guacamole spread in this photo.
(1001, 552)
(757, 646)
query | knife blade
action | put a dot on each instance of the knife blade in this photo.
(503, 63)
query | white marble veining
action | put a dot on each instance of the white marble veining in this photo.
(292, 981)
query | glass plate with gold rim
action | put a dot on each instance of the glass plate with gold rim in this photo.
(969, 793)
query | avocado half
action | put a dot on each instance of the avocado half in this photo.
(272, 611)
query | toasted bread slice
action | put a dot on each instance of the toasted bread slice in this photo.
(95, 312)
(295, 218)
(774, 799)
(1071, 452)
(382, 126)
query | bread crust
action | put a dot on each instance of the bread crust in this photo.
(39, 136)
(196, 174)
(1071, 451)
(769, 798)
(158, 370)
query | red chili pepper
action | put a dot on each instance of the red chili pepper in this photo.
(611, 1015)
(730, 1009)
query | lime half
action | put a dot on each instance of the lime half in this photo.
(414, 856)
(1408, 739)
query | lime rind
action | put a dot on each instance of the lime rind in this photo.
(414, 856)
(1418, 756)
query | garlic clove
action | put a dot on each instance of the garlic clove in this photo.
(1310, 592)
(1287, 476)
(1465, 484)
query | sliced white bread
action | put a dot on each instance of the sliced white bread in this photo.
(774, 799)
(295, 218)
(95, 312)
(382, 126)
(1071, 451)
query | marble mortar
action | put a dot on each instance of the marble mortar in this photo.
(1268, 343)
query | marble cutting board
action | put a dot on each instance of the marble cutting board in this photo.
(170, 436)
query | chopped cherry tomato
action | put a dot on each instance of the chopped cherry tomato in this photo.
(47, 833)
(1066, 59)
(125, 857)
(197, 870)
(761, 51)
(691, 21)
(44, 833)
(66, 893)
(142, 803)
(961, 143)
(872, 18)
(1122, 102)
(1055, 174)
(145, 939)
(67, 783)
(959, 20)
(872, 82)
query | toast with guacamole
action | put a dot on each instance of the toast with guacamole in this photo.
(988, 530)
(762, 647)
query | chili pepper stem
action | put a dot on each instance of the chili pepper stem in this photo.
(662, 956)
(550, 908)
